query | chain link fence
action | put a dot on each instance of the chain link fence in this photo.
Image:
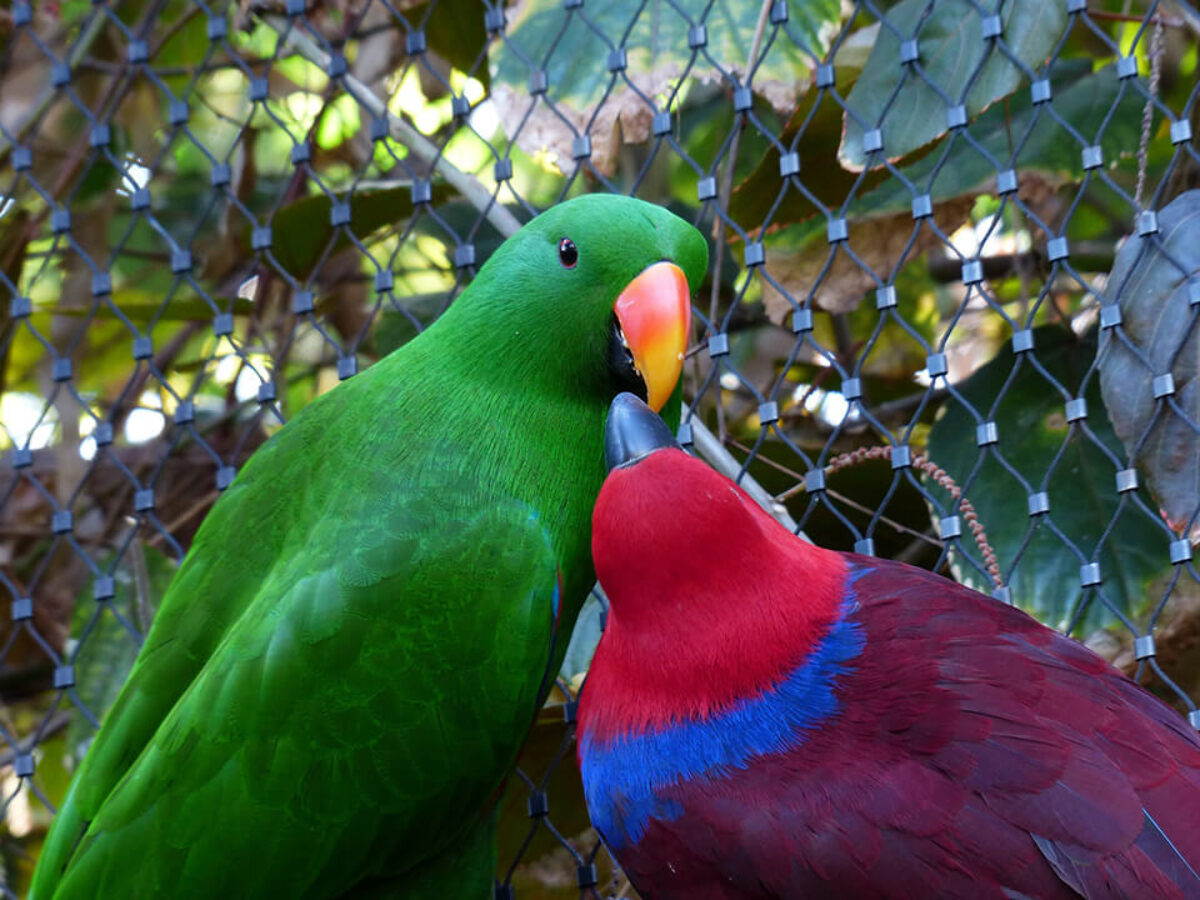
(950, 315)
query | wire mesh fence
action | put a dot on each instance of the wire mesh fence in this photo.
(964, 232)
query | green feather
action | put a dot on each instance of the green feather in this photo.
(343, 670)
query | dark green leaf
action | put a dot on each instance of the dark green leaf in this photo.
(455, 31)
(880, 219)
(302, 230)
(14, 240)
(815, 135)
(1029, 414)
(187, 47)
(1081, 98)
(1085, 100)
(1150, 283)
(951, 48)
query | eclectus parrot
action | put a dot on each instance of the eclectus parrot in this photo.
(343, 669)
(767, 719)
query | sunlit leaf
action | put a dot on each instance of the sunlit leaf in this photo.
(656, 55)
(951, 49)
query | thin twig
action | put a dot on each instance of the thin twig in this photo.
(839, 497)
(1156, 54)
(722, 460)
(468, 185)
(947, 483)
(1104, 15)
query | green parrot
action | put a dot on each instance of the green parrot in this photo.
(343, 670)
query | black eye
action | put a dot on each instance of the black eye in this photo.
(568, 253)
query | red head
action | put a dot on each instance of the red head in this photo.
(697, 574)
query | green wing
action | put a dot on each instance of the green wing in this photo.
(283, 745)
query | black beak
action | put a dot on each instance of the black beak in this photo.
(633, 432)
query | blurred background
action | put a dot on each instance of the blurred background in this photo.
(950, 316)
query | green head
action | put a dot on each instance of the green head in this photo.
(592, 296)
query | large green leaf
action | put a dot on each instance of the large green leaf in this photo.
(1029, 414)
(455, 31)
(1092, 103)
(1151, 282)
(880, 219)
(654, 36)
(187, 46)
(814, 129)
(302, 230)
(951, 48)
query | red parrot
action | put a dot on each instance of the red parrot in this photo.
(768, 719)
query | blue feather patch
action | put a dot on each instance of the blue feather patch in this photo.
(623, 778)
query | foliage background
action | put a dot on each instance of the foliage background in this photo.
(920, 216)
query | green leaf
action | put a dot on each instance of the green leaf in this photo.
(819, 129)
(14, 241)
(188, 45)
(1081, 98)
(951, 47)
(1087, 101)
(880, 219)
(302, 230)
(455, 31)
(1150, 283)
(1030, 417)
(588, 98)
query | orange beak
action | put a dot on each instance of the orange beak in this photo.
(655, 314)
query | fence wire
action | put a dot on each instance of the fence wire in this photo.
(961, 231)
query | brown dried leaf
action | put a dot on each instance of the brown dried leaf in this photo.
(880, 244)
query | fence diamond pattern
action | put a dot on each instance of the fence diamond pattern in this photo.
(922, 336)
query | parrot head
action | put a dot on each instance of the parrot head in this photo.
(667, 526)
(602, 284)
(663, 517)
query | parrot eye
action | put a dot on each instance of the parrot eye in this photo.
(568, 253)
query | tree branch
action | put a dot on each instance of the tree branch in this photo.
(420, 146)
